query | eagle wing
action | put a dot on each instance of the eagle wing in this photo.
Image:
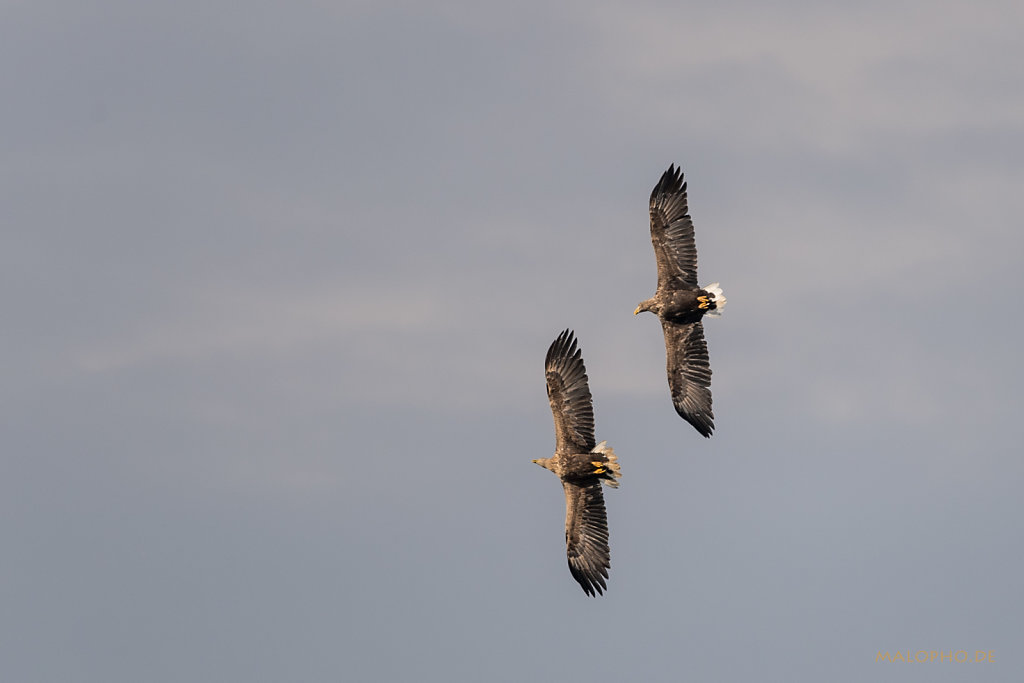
(689, 373)
(571, 404)
(672, 233)
(586, 534)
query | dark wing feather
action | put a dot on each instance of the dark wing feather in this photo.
(672, 232)
(569, 395)
(689, 373)
(586, 535)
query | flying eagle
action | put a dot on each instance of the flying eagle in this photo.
(581, 464)
(680, 303)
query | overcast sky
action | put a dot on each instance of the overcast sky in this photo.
(278, 280)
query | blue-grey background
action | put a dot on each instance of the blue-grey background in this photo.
(278, 280)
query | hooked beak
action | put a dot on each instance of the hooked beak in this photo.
(637, 310)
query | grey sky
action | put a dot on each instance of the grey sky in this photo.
(278, 282)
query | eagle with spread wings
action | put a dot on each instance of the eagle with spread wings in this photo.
(680, 303)
(581, 464)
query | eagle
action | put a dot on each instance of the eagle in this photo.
(680, 303)
(581, 464)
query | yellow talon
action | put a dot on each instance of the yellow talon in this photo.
(703, 305)
(599, 470)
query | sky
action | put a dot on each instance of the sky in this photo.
(278, 281)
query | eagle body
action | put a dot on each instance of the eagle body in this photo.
(682, 306)
(580, 468)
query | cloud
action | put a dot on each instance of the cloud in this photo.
(256, 322)
(824, 76)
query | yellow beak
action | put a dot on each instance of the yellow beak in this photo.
(637, 310)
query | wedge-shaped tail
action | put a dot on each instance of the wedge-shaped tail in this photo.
(609, 463)
(718, 299)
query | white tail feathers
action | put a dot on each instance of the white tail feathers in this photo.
(612, 464)
(719, 298)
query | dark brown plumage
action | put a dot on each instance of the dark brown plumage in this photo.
(581, 464)
(680, 303)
